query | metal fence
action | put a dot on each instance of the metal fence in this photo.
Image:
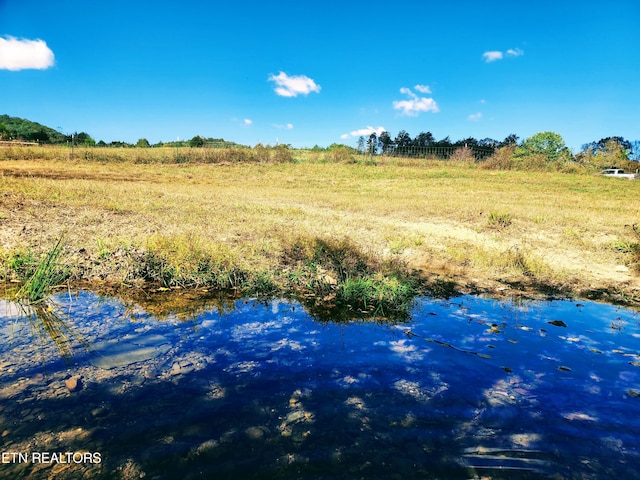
(440, 152)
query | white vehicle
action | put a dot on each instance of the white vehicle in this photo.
(618, 173)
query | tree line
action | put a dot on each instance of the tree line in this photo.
(20, 129)
(404, 145)
(548, 144)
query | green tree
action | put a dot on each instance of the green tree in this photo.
(424, 139)
(613, 154)
(142, 143)
(403, 142)
(606, 144)
(385, 141)
(372, 144)
(197, 141)
(509, 140)
(83, 138)
(39, 135)
(549, 145)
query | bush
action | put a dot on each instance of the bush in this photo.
(502, 159)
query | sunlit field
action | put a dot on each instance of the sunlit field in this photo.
(307, 223)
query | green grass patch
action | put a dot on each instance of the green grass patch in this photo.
(48, 274)
(378, 294)
(499, 220)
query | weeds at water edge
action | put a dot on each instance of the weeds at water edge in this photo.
(47, 275)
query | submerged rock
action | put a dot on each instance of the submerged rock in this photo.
(130, 349)
(73, 383)
(557, 323)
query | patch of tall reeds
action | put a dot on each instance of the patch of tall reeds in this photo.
(48, 274)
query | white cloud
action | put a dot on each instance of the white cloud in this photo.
(415, 104)
(24, 54)
(364, 132)
(288, 126)
(423, 88)
(492, 56)
(292, 86)
(475, 117)
(247, 121)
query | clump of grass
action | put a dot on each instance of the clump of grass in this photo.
(399, 243)
(188, 262)
(22, 263)
(263, 284)
(499, 220)
(47, 275)
(378, 294)
(631, 247)
(344, 257)
(340, 274)
(518, 259)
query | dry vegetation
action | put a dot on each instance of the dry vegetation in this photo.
(335, 232)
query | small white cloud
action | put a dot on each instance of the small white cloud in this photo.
(247, 121)
(364, 132)
(475, 117)
(24, 54)
(292, 86)
(415, 104)
(492, 56)
(423, 88)
(288, 126)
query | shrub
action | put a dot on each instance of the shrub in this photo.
(502, 159)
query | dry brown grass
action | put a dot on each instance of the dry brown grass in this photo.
(433, 216)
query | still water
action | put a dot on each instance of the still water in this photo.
(468, 387)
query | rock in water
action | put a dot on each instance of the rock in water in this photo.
(557, 323)
(73, 383)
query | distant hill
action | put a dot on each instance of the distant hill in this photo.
(21, 129)
(14, 128)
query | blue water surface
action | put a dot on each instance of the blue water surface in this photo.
(469, 387)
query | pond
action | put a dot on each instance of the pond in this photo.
(469, 387)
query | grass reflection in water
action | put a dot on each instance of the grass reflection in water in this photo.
(49, 322)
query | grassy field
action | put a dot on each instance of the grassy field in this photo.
(367, 235)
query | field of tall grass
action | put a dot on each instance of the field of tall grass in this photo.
(361, 233)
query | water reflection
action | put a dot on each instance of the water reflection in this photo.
(48, 323)
(467, 388)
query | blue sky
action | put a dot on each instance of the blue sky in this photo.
(307, 74)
